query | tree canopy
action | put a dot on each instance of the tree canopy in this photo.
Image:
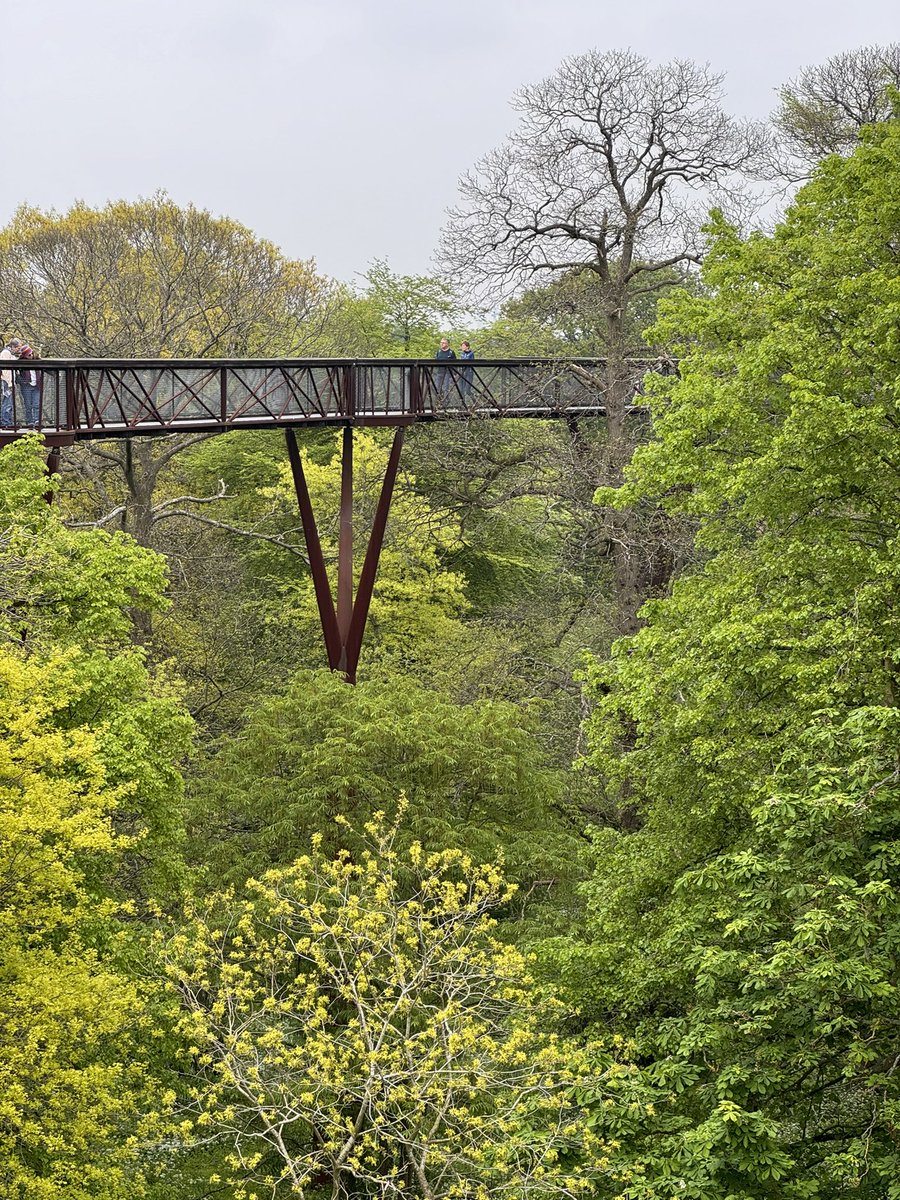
(90, 829)
(824, 110)
(590, 887)
(352, 1029)
(744, 932)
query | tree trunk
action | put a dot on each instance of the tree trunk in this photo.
(620, 444)
(140, 473)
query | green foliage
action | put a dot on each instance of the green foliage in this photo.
(393, 316)
(352, 1027)
(72, 587)
(473, 776)
(760, 990)
(745, 938)
(778, 439)
(90, 824)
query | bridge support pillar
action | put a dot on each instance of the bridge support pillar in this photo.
(53, 460)
(343, 625)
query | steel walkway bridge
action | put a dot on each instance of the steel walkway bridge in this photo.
(75, 399)
(103, 398)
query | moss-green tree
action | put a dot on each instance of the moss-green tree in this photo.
(473, 774)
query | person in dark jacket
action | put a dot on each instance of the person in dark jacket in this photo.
(466, 354)
(444, 376)
(29, 385)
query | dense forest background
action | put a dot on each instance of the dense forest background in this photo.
(591, 885)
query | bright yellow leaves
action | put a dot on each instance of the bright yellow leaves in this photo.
(72, 1079)
(378, 1034)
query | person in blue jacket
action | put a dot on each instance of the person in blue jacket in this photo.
(467, 354)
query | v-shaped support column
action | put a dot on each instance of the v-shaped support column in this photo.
(343, 626)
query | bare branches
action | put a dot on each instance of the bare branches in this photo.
(611, 173)
(823, 110)
(275, 539)
(615, 161)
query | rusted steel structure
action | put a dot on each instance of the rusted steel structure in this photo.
(115, 398)
(102, 398)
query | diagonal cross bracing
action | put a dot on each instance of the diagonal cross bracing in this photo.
(96, 398)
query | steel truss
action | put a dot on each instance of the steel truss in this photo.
(100, 398)
(106, 398)
(344, 624)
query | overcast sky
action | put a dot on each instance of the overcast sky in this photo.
(338, 128)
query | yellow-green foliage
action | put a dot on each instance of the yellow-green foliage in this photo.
(89, 817)
(354, 1029)
(747, 933)
(73, 1086)
(150, 278)
(76, 587)
(417, 599)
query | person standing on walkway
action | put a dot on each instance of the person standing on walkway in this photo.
(444, 376)
(9, 353)
(466, 354)
(29, 388)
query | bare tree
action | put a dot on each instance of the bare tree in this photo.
(822, 111)
(611, 170)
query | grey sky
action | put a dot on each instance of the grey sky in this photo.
(338, 128)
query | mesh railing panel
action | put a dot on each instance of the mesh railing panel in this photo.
(94, 398)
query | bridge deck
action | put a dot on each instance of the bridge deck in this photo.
(100, 398)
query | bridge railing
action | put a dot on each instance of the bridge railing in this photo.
(108, 398)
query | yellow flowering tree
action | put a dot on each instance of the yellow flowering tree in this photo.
(78, 1098)
(90, 813)
(352, 1035)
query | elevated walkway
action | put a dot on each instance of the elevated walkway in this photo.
(106, 398)
(125, 398)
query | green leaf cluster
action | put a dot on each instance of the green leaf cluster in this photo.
(90, 826)
(473, 775)
(745, 937)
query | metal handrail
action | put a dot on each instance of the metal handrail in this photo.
(92, 398)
